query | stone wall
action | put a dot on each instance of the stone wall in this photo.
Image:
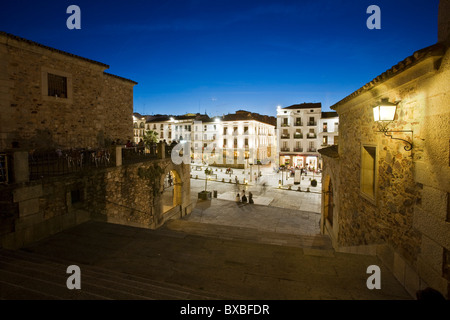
(36, 209)
(98, 106)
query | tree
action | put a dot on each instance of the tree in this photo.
(150, 137)
(207, 173)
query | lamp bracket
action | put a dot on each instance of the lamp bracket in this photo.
(383, 128)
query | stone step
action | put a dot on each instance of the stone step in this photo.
(316, 242)
(25, 275)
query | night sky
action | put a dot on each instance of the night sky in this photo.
(221, 56)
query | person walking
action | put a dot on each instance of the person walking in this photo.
(238, 198)
(250, 197)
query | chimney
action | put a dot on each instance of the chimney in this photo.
(444, 22)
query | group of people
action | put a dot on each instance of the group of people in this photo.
(244, 197)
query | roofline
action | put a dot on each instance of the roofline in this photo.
(434, 50)
(14, 37)
(120, 78)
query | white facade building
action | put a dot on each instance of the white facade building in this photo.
(302, 130)
(243, 137)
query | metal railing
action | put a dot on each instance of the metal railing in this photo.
(138, 154)
(60, 162)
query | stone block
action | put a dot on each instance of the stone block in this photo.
(435, 201)
(431, 252)
(28, 207)
(431, 277)
(430, 225)
(386, 255)
(21, 169)
(27, 193)
(29, 221)
(82, 216)
(399, 268)
(412, 280)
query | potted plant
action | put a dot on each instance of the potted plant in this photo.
(313, 183)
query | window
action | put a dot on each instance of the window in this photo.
(75, 196)
(368, 170)
(224, 143)
(325, 127)
(325, 140)
(245, 130)
(57, 86)
(246, 143)
(224, 131)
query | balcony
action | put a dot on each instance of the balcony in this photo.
(312, 150)
(311, 136)
(312, 123)
(285, 124)
(285, 136)
(298, 149)
(298, 124)
(298, 136)
(285, 149)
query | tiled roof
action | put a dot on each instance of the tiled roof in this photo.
(331, 114)
(11, 36)
(242, 115)
(120, 78)
(437, 49)
(305, 106)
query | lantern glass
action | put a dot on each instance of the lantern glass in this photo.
(384, 112)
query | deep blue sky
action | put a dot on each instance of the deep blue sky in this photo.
(222, 56)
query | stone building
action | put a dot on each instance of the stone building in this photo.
(379, 197)
(302, 130)
(53, 99)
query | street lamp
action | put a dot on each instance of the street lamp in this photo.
(384, 114)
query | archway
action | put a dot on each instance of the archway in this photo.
(327, 204)
(171, 195)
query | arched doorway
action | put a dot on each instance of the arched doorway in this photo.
(171, 195)
(327, 204)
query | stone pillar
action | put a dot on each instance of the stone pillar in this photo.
(161, 150)
(21, 169)
(118, 156)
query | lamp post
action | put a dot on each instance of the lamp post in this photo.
(384, 114)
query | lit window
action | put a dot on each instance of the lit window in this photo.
(368, 171)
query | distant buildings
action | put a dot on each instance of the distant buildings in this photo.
(242, 137)
(302, 130)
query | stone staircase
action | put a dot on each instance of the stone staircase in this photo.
(315, 242)
(29, 276)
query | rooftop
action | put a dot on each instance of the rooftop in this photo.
(305, 105)
(9, 36)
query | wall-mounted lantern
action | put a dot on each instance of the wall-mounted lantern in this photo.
(384, 114)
